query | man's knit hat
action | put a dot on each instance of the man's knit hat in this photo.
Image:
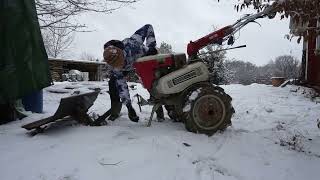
(114, 57)
(113, 54)
(116, 43)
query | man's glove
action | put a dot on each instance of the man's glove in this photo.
(152, 51)
(125, 73)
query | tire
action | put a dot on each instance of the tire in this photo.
(208, 109)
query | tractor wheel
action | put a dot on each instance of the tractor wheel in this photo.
(207, 110)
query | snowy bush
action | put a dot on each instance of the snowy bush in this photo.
(294, 142)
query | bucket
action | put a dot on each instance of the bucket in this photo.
(33, 102)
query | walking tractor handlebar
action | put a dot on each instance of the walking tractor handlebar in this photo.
(225, 33)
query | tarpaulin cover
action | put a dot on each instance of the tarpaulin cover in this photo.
(23, 60)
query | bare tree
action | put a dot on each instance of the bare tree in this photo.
(53, 12)
(241, 72)
(246, 73)
(88, 56)
(58, 21)
(57, 40)
(265, 73)
(165, 48)
(286, 66)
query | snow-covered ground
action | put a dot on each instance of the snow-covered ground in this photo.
(274, 136)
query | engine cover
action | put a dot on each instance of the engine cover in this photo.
(179, 80)
(148, 65)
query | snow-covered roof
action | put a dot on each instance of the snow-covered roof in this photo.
(77, 61)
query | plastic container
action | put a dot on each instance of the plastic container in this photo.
(33, 102)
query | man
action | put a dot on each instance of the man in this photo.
(120, 56)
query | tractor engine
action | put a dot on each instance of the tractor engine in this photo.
(152, 68)
(165, 75)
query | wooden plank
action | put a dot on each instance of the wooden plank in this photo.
(38, 123)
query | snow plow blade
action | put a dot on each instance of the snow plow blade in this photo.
(75, 107)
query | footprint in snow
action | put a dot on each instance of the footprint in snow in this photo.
(127, 134)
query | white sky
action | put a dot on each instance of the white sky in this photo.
(179, 21)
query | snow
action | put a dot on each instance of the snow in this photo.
(78, 61)
(192, 97)
(279, 1)
(274, 136)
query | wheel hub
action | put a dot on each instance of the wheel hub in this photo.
(209, 112)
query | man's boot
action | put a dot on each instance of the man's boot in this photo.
(152, 51)
(116, 105)
(160, 115)
(159, 111)
(115, 110)
(132, 113)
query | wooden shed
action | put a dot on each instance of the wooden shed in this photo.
(61, 66)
